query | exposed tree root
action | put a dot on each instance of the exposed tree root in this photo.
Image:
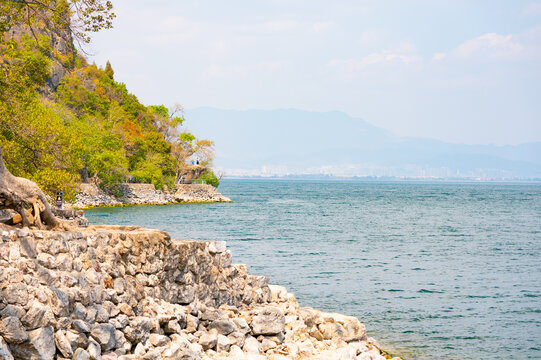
(27, 199)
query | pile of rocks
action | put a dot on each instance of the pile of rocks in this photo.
(132, 293)
(198, 193)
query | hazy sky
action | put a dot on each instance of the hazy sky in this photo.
(458, 70)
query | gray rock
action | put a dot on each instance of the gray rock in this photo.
(105, 336)
(192, 323)
(267, 344)
(81, 354)
(269, 320)
(223, 343)
(59, 302)
(217, 247)
(251, 345)
(242, 325)
(120, 322)
(36, 316)
(139, 330)
(41, 345)
(12, 330)
(94, 350)
(121, 343)
(5, 354)
(62, 344)
(224, 327)
(12, 310)
(172, 327)
(77, 340)
(237, 338)
(153, 354)
(102, 316)
(158, 340)
(209, 339)
(16, 294)
(186, 294)
(81, 326)
(79, 311)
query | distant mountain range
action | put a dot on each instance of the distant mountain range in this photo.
(297, 142)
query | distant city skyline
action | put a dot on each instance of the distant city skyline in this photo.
(459, 71)
(285, 142)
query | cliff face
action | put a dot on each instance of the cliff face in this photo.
(62, 49)
(133, 293)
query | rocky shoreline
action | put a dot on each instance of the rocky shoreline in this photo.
(140, 194)
(132, 293)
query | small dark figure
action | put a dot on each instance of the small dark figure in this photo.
(197, 162)
(59, 199)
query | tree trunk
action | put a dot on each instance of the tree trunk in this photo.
(24, 196)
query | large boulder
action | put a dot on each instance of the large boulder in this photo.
(40, 345)
(268, 320)
(224, 327)
(12, 330)
(105, 336)
(63, 344)
(139, 330)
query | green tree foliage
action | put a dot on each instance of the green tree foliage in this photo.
(90, 126)
(210, 178)
(109, 70)
(79, 17)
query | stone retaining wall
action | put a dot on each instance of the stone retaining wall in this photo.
(138, 194)
(132, 293)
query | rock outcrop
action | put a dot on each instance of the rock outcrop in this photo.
(198, 193)
(132, 293)
(139, 194)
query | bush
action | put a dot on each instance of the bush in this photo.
(210, 178)
(52, 181)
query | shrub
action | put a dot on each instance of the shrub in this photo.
(210, 178)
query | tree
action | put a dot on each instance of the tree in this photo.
(109, 70)
(167, 121)
(25, 197)
(79, 17)
(36, 137)
(187, 147)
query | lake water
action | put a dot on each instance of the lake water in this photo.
(434, 270)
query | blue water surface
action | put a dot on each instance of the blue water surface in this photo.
(434, 270)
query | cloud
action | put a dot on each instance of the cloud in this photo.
(491, 44)
(377, 58)
(487, 46)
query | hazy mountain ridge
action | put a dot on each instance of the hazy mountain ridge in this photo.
(289, 141)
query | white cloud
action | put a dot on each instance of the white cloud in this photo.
(376, 59)
(487, 46)
(491, 44)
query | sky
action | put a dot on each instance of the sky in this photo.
(463, 71)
